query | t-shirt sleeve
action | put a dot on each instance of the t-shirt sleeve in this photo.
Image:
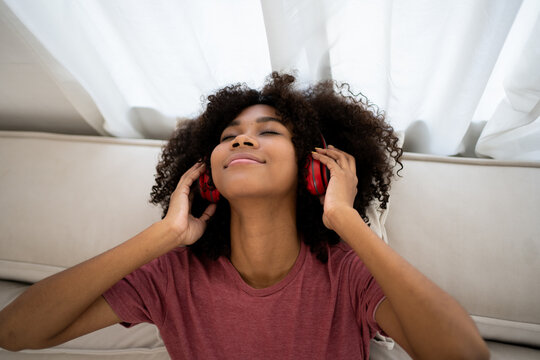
(140, 296)
(366, 295)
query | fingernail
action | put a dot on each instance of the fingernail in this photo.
(318, 148)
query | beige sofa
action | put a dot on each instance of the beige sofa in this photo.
(471, 225)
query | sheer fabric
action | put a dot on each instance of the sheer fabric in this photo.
(437, 68)
(512, 131)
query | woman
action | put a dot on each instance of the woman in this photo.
(261, 273)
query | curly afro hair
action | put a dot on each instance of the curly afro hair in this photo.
(346, 120)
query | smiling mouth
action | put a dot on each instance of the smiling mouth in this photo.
(243, 161)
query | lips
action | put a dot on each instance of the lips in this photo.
(243, 159)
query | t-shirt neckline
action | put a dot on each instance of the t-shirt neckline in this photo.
(273, 288)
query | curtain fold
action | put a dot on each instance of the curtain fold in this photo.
(297, 36)
(146, 64)
(434, 63)
(437, 68)
(513, 131)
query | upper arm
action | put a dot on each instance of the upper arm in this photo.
(388, 321)
(98, 316)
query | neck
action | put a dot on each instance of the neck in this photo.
(264, 240)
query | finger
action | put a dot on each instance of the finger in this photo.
(344, 160)
(343, 157)
(188, 174)
(207, 214)
(191, 175)
(190, 198)
(330, 163)
(351, 160)
(183, 188)
(336, 156)
(195, 170)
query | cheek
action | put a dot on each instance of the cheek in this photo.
(289, 166)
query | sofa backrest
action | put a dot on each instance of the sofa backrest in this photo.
(473, 227)
(64, 199)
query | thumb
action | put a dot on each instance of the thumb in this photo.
(207, 214)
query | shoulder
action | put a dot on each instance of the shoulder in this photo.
(176, 256)
(341, 252)
(166, 264)
(344, 259)
(340, 258)
(179, 254)
(181, 257)
(181, 264)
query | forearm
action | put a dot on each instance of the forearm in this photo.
(432, 321)
(51, 305)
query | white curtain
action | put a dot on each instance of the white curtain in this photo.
(437, 68)
(513, 129)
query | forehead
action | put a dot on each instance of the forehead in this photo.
(259, 113)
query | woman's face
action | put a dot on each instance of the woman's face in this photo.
(255, 156)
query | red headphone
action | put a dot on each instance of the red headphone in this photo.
(207, 192)
(318, 175)
(317, 178)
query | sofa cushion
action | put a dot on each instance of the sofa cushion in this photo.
(498, 351)
(471, 225)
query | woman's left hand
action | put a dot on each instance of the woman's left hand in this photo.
(341, 189)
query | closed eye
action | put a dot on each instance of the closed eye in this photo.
(227, 137)
(270, 132)
(265, 132)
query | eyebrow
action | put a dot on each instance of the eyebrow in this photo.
(261, 119)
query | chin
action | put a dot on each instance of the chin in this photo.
(245, 187)
(245, 193)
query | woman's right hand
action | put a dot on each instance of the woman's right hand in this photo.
(188, 227)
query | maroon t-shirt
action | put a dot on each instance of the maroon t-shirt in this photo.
(204, 309)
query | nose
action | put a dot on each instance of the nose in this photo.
(244, 140)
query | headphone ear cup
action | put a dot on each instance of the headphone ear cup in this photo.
(206, 192)
(317, 176)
